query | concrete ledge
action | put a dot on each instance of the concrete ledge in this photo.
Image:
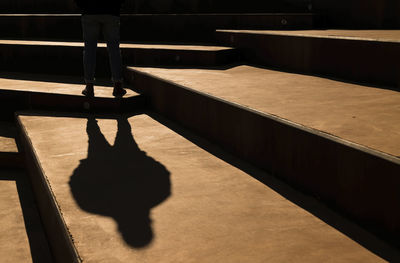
(13, 100)
(9, 154)
(354, 59)
(60, 242)
(360, 182)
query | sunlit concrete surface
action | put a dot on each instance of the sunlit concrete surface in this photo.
(53, 87)
(374, 35)
(170, 46)
(364, 115)
(14, 243)
(133, 190)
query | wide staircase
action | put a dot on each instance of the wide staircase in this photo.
(248, 134)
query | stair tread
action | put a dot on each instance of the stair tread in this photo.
(360, 114)
(383, 35)
(52, 86)
(172, 46)
(213, 213)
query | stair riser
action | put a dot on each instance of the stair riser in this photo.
(355, 60)
(14, 100)
(342, 175)
(150, 27)
(65, 60)
(11, 160)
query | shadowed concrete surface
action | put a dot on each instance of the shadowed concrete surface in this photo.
(21, 234)
(364, 115)
(7, 138)
(180, 203)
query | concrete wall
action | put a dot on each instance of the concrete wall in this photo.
(359, 13)
(161, 6)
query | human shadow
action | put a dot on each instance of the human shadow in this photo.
(120, 181)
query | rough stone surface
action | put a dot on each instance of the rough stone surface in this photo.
(133, 190)
(364, 115)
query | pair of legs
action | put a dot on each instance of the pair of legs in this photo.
(109, 25)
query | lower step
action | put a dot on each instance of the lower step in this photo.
(22, 237)
(336, 140)
(142, 189)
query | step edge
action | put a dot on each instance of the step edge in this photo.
(68, 241)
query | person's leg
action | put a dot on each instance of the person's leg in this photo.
(91, 29)
(111, 31)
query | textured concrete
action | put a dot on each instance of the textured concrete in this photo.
(360, 114)
(20, 241)
(132, 190)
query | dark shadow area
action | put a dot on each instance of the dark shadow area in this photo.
(120, 181)
(7, 129)
(39, 247)
(306, 202)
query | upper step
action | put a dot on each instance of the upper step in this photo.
(162, 7)
(151, 27)
(142, 189)
(339, 141)
(23, 56)
(367, 56)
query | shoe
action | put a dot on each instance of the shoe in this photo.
(88, 91)
(118, 91)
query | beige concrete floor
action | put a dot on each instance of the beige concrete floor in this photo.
(54, 87)
(364, 115)
(7, 138)
(170, 46)
(133, 190)
(374, 35)
(14, 243)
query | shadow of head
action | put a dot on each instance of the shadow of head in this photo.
(120, 181)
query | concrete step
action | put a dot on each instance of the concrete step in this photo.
(66, 57)
(22, 237)
(164, 7)
(149, 27)
(142, 189)
(9, 154)
(336, 140)
(368, 56)
(31, 91)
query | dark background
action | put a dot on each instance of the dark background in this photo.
(335, 13)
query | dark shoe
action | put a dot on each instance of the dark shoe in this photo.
(118, 91)
(88, 91)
